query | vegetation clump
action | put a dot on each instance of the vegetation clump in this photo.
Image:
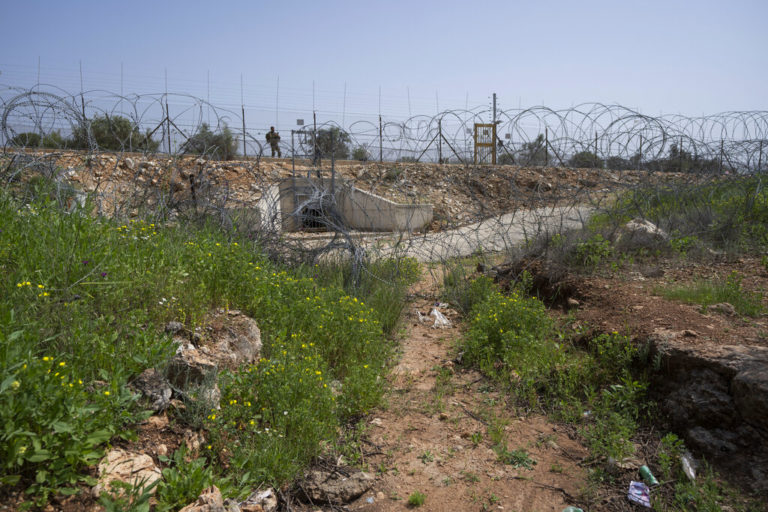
(83, 303)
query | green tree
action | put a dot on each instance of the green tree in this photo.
(534, 152)
(680, 160)
(114, 133)
(585, 159)
(340, 146)
(618, 163)
(220, 146)
(54, 140)
(26, 139)
(360, 153)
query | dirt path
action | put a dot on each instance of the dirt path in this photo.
(437, 436)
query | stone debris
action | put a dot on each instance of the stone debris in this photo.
(724, 308)
(210, 500)
(136, 469)
(335, 487)
(260, 501)
(190, 367)
(640, 233)
(236, 340)
(453, 189)
(155, 387)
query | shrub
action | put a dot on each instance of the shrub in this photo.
(417, 499)
(95, 292)
(463, 291)
(26, 139)
(506, 338)
(114, 133)
(334, 141)
(29, 139)
(593, 251)
(729, 213)
(184, 478)
(219, 146)
(360, 153)
(585, 159)
(52, 423)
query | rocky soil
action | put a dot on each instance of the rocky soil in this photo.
(459, 194)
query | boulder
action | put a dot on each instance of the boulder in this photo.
(190, 366)
(260, 501)
(234, 340)
(210, 500)
(155, 387)
(336, 487)
(136, 469)
(716, 396)
(750, 394)
(640, 234)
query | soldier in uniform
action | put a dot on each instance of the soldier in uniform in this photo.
(274, 141)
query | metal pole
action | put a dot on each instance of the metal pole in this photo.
(546, 146)
(640, 152)
(344, 106)
(494, 108)
(314, 131)
(168, 123)
(680, 155)
(381, 141)
(760, 160)
(595, 159)
(440, 141)
(333, 168)
(245, 153)
(493, 155)
(720, 168)
(242, 108)
(293, 156)
(277, 103)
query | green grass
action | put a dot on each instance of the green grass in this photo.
(417, 499)
(709, 292)
(730, 213)
(83, 303)
(599, 386)
(513, 340)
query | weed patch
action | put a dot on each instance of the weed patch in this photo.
(709, 292)
(83, 302)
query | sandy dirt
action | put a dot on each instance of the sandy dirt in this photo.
(435, 436)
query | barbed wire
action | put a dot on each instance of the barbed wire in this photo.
(569, 164)
(532, 136)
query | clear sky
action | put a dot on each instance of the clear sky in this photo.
(689, 57)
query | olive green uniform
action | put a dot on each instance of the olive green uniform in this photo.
(274, 142)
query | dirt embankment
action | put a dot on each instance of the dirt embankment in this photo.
(460, 194)
(709, 365)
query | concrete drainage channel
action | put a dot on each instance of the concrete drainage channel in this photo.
(301, 204)
(316, 210)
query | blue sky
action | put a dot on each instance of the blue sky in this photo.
(689, 57)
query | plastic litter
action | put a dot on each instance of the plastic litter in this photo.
(688, 466)
(369, 500)
(572, 509)
(441, 322)
(422, 318)
(648, 477)
(639, 493)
